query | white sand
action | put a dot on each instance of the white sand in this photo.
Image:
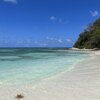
(80, 83)
(97, 52)
(77, 49)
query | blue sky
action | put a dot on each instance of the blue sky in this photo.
(45, 23)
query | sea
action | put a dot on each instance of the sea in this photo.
(32, 65)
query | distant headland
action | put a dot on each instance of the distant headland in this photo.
(90, 38)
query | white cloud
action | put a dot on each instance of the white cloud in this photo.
(68, 40)
(53, 18)
(58, 20)
(85, 27)
(60, 41)
(11, 1)
(50, 38)
(94, 13)
(47, 38)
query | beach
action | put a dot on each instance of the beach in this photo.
(80, 83)
(50, 50)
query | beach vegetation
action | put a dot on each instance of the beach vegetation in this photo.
(90, 38)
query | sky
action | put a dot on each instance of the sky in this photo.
(45, 23)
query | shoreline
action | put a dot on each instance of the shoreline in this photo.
(95, 49)
(80, 83)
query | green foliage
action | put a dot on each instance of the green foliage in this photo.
(90, 38)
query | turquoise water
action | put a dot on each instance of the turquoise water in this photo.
(19, 66)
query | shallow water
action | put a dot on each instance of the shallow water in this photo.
(19, 66)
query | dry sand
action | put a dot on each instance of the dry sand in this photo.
(80, 83)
